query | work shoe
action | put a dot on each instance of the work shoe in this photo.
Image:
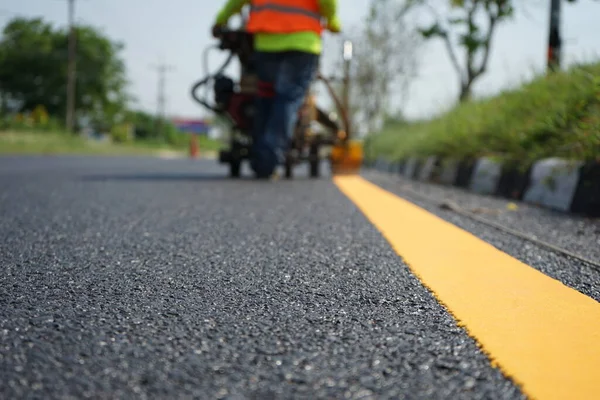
(273, 176)
(264, 165)
(276, 175)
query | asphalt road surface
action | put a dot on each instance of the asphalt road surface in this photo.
(145, 278)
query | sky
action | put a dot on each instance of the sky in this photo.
(176, 32)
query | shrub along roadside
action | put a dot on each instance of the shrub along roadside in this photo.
(41, 134)
(552, 116)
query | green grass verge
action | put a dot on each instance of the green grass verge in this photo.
(552, 116)
(24, 142)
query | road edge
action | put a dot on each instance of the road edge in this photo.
(553, 183)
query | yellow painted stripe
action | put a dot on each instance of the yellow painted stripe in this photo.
(541, 333)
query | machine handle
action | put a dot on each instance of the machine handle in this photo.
(343, 104)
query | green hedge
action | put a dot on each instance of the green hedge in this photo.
(555, 115)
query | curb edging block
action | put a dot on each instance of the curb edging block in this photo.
(552, 183)
(401, 167)
(426, 173)
(587, 195)
(449, 172)
(410, 168)
(513, 182)
(398, 169)
(485, 176)
(464, 173)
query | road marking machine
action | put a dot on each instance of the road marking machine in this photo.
(235, 102)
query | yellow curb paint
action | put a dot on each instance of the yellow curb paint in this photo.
(541, 333)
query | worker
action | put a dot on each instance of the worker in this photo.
(287, 43)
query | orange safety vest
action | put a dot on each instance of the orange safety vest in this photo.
(284, 16)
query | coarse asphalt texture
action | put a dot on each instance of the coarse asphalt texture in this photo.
(145, 278)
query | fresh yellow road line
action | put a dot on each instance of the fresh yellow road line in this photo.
(541, 333)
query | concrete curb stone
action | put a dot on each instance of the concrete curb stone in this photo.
(485, 176)
(552, 183)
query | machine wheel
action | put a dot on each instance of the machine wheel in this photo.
(289, 170)
(289, 166)
(314, 162)
(314, 169)
(234, 168)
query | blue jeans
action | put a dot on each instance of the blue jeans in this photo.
(284, 79)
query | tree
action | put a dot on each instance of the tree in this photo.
(33, 70)
(476, 37)
(384, 64)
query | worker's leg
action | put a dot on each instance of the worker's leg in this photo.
(296, 72)
(263, 157)
(291, 74)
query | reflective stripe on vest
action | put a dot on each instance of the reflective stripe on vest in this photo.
(286, 10)
(284, 16)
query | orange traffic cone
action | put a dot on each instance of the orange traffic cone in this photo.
(194, 149)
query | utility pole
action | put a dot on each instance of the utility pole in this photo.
(554, 38)
(71, 72)
(347, 56)
(160, 112)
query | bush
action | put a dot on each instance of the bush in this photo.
(121, 133)
(556, 115)
(37, 120)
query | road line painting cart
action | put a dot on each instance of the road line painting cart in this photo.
(235, 102)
